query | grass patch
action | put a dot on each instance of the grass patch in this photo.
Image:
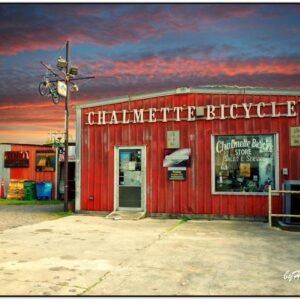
(180, 222)
(184, 219)
(28, 202)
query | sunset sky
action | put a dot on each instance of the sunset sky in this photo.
(137, 48)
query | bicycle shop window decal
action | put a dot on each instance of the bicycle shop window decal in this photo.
(244, 163)
(45, 161)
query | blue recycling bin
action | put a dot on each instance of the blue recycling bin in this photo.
(43, 189)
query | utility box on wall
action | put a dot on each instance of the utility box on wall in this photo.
(291, 202)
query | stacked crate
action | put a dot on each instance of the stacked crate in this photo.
(16, 189)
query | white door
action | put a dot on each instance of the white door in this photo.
(130, 178)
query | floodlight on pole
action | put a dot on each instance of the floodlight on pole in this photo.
(61, 63)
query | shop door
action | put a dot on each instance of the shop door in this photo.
(129, 179)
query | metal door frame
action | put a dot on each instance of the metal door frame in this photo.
(143, 177)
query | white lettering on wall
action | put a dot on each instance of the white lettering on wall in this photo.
(247, 108)
(90, 115)
(210, 112)
(138, 116)
(233, 115)
(164, 110)
(125, 120)
(101, 117)
(152, 117)
(113, 119)
(291, 108)
(258, 108)
(191, 113)
(222, 111)
(178, 109)
(188, 113)
(273, 104)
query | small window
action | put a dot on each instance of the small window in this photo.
(244, 163)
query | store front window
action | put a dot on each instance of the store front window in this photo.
(244, 163)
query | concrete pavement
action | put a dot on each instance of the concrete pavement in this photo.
(91, 255)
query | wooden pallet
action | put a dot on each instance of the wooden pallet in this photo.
(16, 189)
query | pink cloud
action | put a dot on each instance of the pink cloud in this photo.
(27, 123)
(181, 66)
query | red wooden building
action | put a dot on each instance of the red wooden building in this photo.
(27, 162)
(210, 150)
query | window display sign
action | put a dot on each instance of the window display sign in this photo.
(173, 139)
(45, 161)
(16, 159)
(132, 178)
(130, 167)
(177, 173)
(244, 163)
(177, 157)
(295, 136)
(245, 169)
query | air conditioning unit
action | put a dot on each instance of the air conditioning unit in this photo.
(291, 202)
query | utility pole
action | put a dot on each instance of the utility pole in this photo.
(66, 156)
(51, 88)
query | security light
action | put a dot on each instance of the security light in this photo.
(73, 71)
(74, 88)
(61, 63)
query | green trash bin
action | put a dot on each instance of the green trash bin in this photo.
(29, 190)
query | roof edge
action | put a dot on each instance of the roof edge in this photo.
(214, 89)
(24, 144)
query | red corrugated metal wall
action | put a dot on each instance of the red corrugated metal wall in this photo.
(192, 196)
(30, 173)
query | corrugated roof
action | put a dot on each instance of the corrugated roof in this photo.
(26, 144)
(205, 89)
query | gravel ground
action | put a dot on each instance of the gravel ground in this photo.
(17, 215)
